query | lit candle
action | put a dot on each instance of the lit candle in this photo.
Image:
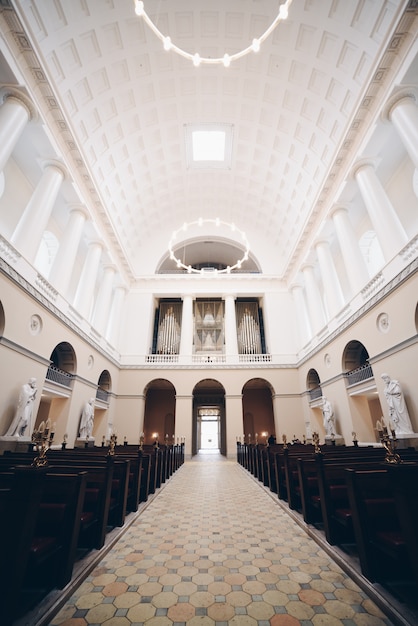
(41, 427)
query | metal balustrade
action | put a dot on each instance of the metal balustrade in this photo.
(358, 375)
(55, 375)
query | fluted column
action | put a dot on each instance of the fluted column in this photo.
(66, 255)
(113, 327)
(313, 296)
(403, 113)
(386, 223)
(14, 115)
(332, 287)
(231, 340)
(85, 290)
(34, 220)
(186, 339)
(352, 256)
(304, 326)
(102, 306)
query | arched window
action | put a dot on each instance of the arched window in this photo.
(46, 253)
(372, 252)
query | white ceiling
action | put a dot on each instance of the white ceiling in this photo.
(123, 105)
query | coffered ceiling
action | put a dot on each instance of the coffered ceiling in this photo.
(119, 106)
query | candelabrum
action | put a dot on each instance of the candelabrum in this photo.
(284, 439)
(64, 442)
(112, 444)
(42, 439)
(141, 440)
(315, 440)
(388, 443)
(355, 440)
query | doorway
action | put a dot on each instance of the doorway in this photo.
(208, 429)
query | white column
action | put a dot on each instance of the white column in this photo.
(113, 327)
(304, 326)
(403, 113)
(186, 339)
(332, 288)
(102, 306)
(67, 252)
(314, 300)
(352, 256)
(386, 223)
(231, 340)
(183, 423)
(234, 423)
(32, 224)
(14, 115)
(85, 290)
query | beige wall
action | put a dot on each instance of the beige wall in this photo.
(24, 354)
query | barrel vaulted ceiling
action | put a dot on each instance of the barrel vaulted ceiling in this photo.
(120, 108)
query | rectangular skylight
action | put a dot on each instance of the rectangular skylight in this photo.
(208, 145)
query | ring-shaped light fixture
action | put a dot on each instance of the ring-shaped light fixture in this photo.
(196, 58)
(218, 223)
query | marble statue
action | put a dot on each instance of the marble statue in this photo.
(398, 412)
(87, 420)
(24, 409)
(329, 419)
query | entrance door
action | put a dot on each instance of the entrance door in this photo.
(209, 420)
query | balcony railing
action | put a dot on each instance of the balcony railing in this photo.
(255, 358)
(315, 393)
(102, 394)
(55, 375)
(162, 358)
(358, 375)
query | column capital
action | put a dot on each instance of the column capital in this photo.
(78, 208)
(55, 164)
(229, 295)
(363, 164)
(320, 242)
(19, 97)
(339, 208)
(409, 92)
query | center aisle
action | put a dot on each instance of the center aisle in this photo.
(213, 548)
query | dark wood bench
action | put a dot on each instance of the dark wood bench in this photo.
(381, 544)
(39, 535)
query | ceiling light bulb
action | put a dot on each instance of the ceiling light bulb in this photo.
(139, 7)
(196, 59)
(255, 45)
(167, 43)
(227, 60)
(283, 12)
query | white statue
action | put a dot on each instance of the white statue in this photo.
(24, 409)
(398, 412)
(329, 419)
(87, 420)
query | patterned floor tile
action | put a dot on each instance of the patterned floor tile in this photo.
(199, 555)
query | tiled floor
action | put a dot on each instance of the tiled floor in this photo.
(213, 548)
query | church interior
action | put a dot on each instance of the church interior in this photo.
(209, 241)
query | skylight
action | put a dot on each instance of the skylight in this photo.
(208, 145)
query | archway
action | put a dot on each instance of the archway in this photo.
(209, 429)
(365, 407)
(258, 413)
(159, 415)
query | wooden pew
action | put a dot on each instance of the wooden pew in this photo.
(39, 535)
(97, 501)
(381, 545)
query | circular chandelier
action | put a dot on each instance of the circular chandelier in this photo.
(196, 58)
(217, 222)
